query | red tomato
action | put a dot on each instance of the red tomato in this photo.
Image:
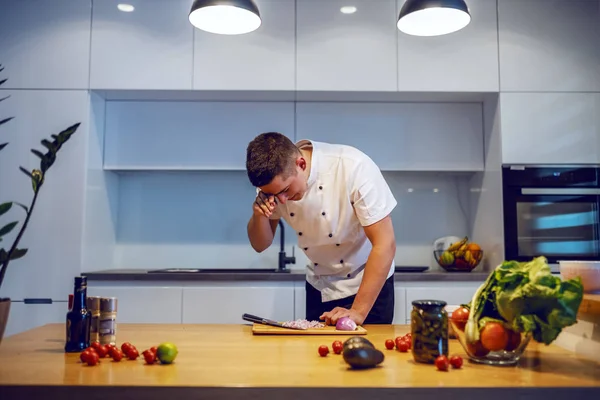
(153, 349)
(389, 344)
(441, 362)
(408, 341)
(456, 361)
(116, 354)
(402, 346)
(514, 340)
(133, 354)
(125, 347)
(337, 347)
(102, 351)
(323, 350)
(92, 359)
(460, 316)
(149, 356)
(95, 345)
(398, 340)
(476, 349)
(494, 336)
(85, 355)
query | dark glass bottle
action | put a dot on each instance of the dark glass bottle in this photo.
(429, 328)
(78, 319)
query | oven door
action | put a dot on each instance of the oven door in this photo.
(558, 223)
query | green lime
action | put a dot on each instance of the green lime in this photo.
(166, 352)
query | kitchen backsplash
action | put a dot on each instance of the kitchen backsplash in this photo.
(197, 219)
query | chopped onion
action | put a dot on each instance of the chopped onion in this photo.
(345, 324)
(303, 324)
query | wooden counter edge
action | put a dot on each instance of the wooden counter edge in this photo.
(290, 393)
(590, 304)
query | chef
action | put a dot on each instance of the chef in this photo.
(337, 201)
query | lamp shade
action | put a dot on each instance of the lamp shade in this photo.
(433, 17)
(225, 17)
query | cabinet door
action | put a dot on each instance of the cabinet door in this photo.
(337, 51)
(549, 45)
(260, 60)
(144, 305)
(463, 61)
(400, 136)
(45, 44)
(550, 128)
(53, 236)
(23, 317)
(300, 300)
(225, 304)
(149, 48)
(188, 135)
(399, 306)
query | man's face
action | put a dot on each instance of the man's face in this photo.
(290, 189)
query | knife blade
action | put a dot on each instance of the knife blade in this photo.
(266, 321)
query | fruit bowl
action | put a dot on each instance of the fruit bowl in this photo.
(516, 343)
(464, 261)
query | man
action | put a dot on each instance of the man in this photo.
(337, 201)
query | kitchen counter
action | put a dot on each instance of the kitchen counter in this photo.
(266, 275)
(227, 361)
(590, 304)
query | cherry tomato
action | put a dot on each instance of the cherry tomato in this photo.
(441, 362)
(476, 349)
(149, 356)
(389, 344)
(456, 361)
(514, 340)
(408, 340)
(494, 336)
(133, 354)
(92, 359)
(337, 347)
(125, 347)
(402, 346)
(153, 349)
(323, 350)
(408, 335)
(398, 340)
(460, 316)
(102, 351)
(85, 355)
(116, 354)
(110, 346)
(95, 345)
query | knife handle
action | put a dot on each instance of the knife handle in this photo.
(253, 318)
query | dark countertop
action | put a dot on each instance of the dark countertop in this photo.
(248, 275)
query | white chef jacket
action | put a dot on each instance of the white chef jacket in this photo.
(346, 191)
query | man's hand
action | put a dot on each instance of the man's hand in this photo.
(264, 205)
(332, 316)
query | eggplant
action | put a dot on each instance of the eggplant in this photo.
(357, 341)
(362, 356)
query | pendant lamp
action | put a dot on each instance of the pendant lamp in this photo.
(433, 17)
(225, 17)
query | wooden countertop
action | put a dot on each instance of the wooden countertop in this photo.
(590, 304)
(217, 361)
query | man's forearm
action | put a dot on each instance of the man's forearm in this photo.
(374, 277)
(259, 233)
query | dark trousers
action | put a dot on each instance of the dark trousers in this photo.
(381, 313)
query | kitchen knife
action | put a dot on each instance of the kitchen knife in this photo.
(266, 321)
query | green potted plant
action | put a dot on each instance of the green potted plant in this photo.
(37, 176)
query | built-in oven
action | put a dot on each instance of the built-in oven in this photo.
(551, 211)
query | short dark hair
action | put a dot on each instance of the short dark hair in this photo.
(268, 155)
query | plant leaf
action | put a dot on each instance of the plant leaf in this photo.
(18, 253)
(3, 145)
(8, 227)
(23, 206)
(39, 154)
(5, 120)
(26, 172)
(3, 80)
(3, 256)
(4, 207)
(4, 98)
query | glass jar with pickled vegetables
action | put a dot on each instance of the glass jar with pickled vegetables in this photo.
(429, 330)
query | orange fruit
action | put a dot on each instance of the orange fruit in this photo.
(473, 247)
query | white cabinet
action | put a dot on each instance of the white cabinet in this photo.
(346, 52)
(260, 60)
(226, 303)
(188, 135)
(53, 236)
(549, 45)
(23, 317)
(399, 305)
(45, 44)
(550, 128)
(400, 136)
(300, 300)
(143, 305)
(149, 48)
(463, 61)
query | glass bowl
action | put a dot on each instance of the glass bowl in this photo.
(465, 261)
(510, 355)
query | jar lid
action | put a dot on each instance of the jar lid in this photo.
(429, 303)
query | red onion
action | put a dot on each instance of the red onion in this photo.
(345, 324)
